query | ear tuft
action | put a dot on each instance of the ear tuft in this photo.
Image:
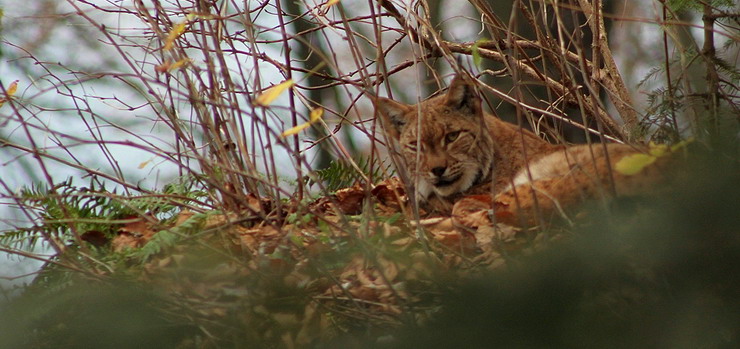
(392, 115)
(462, 95)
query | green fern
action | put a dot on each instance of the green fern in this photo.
(340, 174)
(64, 208)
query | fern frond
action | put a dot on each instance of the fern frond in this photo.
(340, 174)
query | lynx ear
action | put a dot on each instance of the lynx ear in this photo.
(462, 96)
(392, 115)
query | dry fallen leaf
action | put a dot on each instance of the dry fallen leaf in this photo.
(390, 193)
(254, 204)
(124, 241)
(95, 238)
(456, 240)
(347, 201)
(183, 216)
(260, 238)
(350, 199)
(134, 234)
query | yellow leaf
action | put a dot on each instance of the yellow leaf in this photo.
(331, 3)
(316, 114)
(176, 31)
(681, 144)
(145, 163)
(9, 92)
(164, 67)
(12, 88)
(169, 66)
(193, 15)
(658, 150)
(313, 117)
(633, 164)
(181, 63)
(273, 92)
(293, 130)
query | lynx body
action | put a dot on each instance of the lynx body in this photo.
(455, 149)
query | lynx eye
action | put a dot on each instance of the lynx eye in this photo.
(452, 136)
(411, 146)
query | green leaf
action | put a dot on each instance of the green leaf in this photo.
(296, 240)
(633, 164)
(476, 52)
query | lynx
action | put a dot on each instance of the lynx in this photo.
(456, 149)
(460, 148)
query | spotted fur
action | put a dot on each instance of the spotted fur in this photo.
(453, 147)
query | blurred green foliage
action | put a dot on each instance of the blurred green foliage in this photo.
(89, 314)
(659, 273)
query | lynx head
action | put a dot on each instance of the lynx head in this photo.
(444, 140)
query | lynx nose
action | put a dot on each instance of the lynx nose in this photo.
(439, 171)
